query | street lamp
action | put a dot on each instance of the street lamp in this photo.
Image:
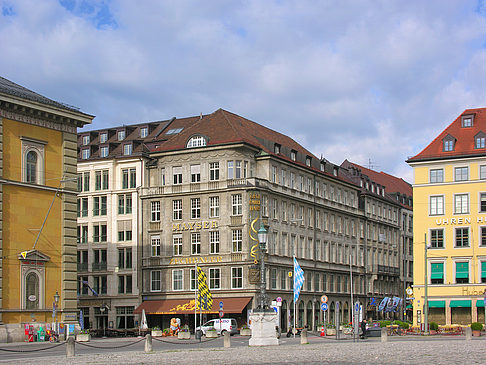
(56, 301)
(426, 282)
(262, 239)
(102, 310)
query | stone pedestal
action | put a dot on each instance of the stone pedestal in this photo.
(263, 331)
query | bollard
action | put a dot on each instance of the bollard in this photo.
(227, 339)
(303, 337)
(148, 343)
(384, 334)
(468, 334)
(70, 350)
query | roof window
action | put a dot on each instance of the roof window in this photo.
(276, 148)
(467, 121)
(308, 160)
(293, 155)
(448, 143)
(480, 140)
(196, 141)
(174, 131)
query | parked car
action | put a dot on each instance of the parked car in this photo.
(220, 325)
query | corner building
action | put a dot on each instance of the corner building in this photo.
(450, 223)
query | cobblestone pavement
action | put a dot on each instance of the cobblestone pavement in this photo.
(427, 351)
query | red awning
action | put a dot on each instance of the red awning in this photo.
(186, 306)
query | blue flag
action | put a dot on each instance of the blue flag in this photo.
(298, 279)
(81, 319)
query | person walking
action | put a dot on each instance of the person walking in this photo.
(363, 329)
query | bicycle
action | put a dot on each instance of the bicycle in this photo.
(53, 336)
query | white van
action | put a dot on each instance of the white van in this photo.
(220, 325)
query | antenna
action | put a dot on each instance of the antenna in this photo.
(371, 164)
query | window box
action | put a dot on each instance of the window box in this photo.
(184, 335)
(83, 337)
(245, 332)
(156, 333)
(211, 333)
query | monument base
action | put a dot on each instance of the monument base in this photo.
(263, 332)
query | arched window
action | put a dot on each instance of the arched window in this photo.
(31, 167)
(32, 291)
(196, 141)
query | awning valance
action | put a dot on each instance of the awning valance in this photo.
(460, 304)
(436, 303)
(186, 306)
(480, 303)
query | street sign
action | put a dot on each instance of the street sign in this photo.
(324, 299)
(221, 314)
(324, 306)
(220, 306)
(279, 299)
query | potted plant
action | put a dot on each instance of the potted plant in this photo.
(330, 330)
(166, 332)
(245, 330)
(211, 332)
(156, 331)
(433, 327)
(83, 336)
(184, 333)
(476, 328)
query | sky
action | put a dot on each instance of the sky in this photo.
(371, 81)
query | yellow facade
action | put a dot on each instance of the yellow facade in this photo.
(448, 301)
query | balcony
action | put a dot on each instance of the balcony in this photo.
(99, 266)
(82, 266)
(382, 269)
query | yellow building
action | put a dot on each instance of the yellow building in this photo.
(38, 154)
(450, 223)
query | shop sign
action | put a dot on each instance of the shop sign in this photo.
(193, 260)
(254, 202)
(194, 226)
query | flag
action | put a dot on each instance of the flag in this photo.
(84, 282)
(144, 325)
(204, 297)
(383, 303)
(81, 319)
(298, 279)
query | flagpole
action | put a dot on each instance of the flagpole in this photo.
(295, 313)
(195, 297)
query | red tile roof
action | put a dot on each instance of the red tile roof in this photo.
(464, 139)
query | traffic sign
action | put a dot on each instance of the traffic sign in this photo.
(279, 299)
(324, 306)
(324, 299)
(221, 306)
(221, 314)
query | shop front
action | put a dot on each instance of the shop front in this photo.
(160, 312)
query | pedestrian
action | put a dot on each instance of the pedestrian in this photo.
(363, 329)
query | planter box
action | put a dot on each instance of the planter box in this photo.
(245, 332)
(476, 333)
(83, 337)
(156, 333)
(331, 332)
(211, 334)
(184, 335)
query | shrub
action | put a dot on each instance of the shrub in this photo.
(476, 326)
(433, 326)
(405, 325)
(185, 328)
(384, 323)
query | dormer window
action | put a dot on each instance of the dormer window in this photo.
(335, 171)
(323, 166)
(85, 154)
(293, 155)
(196, 141)
(467, 121)
(308, 160)
(103, 137)
(121, 135)
(85, 140)
(127, 149)
(448, 143)
(276, 148)
(480, 140)
(143, 132)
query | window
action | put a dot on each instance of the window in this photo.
(467, 121)
(99, 232)
(195, 243)
(483, 236)
(83, 207)
(308, 160)
(83, 181)
(124, 284)
(274, 174)
(174, 131)
(177, 175)
(236, 277)
(448, 145)
(214, 206)
(31, 167)
(177, 209)
(437, 273)
(214, 278)
(482, 172)
(214, 171)
(177, 279)
(482, 202)
(104, 151)
(436, 175)
(193, 279)
(273, 278)
(462, 237)
(101, 179)
(195, 208)
(124, 231)
(99, 205)
(230, 169)
(129, 178)
(177, 244)
(236, 203)
(461, 204)
(121, 135)
(214, 241)
(143, 132)
(461, 174)
(82, 236)
(276, 148)
(100, 284)
(283, 177)
(155, 280)
(125, 258)
(236, 239)
(437, 238)
(436, 205)
(83, 285)
(283, 279)
(293, 155)
(238, 169)
(196, 141)
(155, 245)
(195, 173)
(462, 272)
(124, 318)
(127, 149)
(103, 137)
(124, 203)
(32, 290)
(85, 153)
(155, 211)
(480, 142)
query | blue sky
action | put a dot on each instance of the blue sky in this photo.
(363, 80)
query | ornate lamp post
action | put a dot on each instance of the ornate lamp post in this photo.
(56, 302)
(262, 239)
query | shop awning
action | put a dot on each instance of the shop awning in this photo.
(480, 303)
(186, 306)
(436, 303)
(460, 304)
